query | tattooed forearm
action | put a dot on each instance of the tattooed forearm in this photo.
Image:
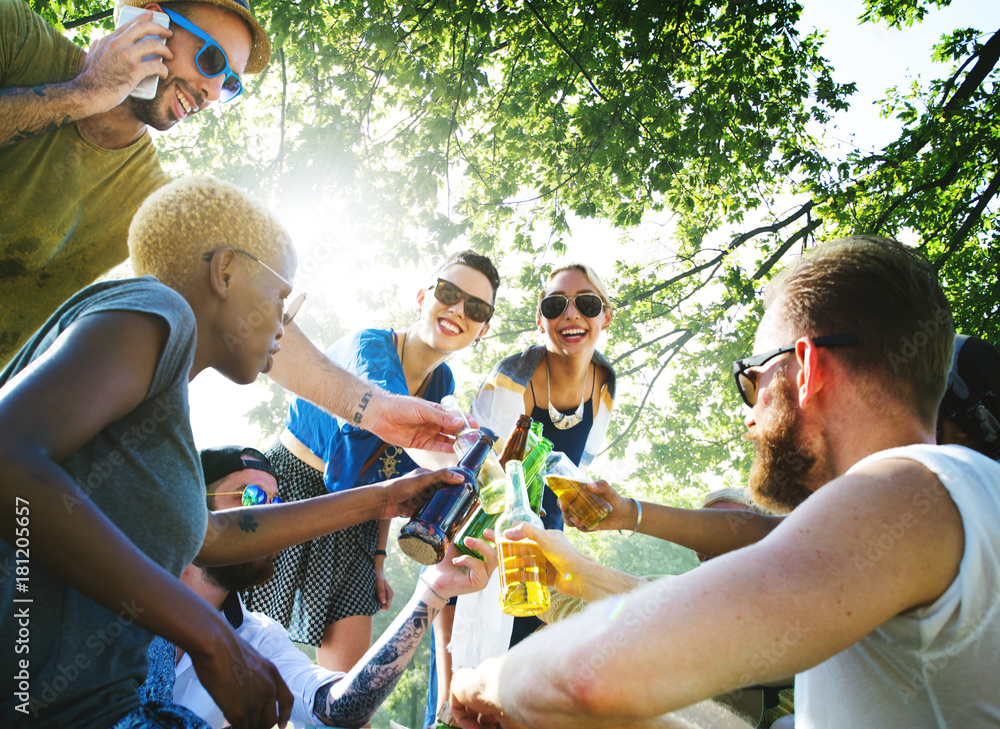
(352, 701)
(20, 135)
(21, 91)
(362, 406)
(27, 112)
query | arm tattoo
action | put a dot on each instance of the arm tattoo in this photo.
(362, 406)
(25, 121)
(248, 523)
(21, 91)
(352, 701)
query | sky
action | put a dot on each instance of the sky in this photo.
(873, 56)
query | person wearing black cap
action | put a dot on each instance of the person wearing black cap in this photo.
(236, 476)
(970, 410)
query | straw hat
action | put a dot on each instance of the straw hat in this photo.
(260, 52)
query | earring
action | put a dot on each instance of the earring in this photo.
(475, 342)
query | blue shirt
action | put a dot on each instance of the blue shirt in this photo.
(371, 355)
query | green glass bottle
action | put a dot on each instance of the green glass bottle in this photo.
(534, 471)
(493, 486)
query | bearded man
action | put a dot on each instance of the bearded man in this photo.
(880, 590)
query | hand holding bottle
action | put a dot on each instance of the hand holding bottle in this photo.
(460, 574)
(404, 495)
(622, 514)
(523, 589)
(567, 569)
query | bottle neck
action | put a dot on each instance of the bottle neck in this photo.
(536, 459)
(517, 444)
(516, 494)
(473, 460)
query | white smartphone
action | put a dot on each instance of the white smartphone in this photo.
(145, 89)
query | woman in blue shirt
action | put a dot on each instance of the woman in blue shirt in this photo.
(326, 591)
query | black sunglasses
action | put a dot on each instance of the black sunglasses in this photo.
(746, 382)
(449, 294)
(590, 305)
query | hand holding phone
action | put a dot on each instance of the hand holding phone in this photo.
(145, 89)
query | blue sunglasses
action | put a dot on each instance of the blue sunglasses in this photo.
(253, 495)
(211, 59)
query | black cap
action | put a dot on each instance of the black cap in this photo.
(220, 462)
(972, 397)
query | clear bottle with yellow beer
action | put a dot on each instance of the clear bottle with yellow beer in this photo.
(482, 519)
(523, 589)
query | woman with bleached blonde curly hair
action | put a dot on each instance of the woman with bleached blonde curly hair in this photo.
(98, 458)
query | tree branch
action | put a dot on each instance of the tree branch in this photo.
(958, 239)
(736, 243)
(676, 347)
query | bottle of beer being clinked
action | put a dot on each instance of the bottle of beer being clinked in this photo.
(523, 589)
(425, 538)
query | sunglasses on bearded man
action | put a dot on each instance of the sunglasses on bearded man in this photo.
(746, 380)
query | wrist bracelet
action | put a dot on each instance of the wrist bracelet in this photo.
(433, 591)
(638, 520)
(381, 553)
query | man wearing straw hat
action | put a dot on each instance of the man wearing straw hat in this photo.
(77, 162)
(76, 155)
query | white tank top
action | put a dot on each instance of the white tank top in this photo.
(938, 666)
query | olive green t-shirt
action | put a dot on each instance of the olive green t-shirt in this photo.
(65, 203)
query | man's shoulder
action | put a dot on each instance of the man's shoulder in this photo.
(32, 51)
(936, 470)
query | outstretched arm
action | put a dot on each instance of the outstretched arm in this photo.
(709, 531)
(409, 422)
(353, 700)
(109, 72)
(683, 639)
(248, 532)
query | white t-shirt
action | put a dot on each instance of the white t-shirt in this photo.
(935, 666)
(271, 640)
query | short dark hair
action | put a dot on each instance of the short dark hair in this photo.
(477, 261)
(888, 296)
